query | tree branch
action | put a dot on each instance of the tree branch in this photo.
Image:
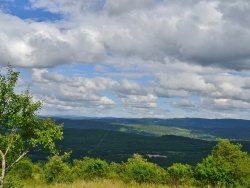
(18, 159)
(10, 141)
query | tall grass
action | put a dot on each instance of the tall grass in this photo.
(102, 183)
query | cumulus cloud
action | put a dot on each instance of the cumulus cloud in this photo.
(206, 33)
(141, 105)
(128, 87)
(215, 89)
(71, 92)
(147, 101)
(123, 6)
(76, 94)
(44, 45)
(185, 105)
(142, 51)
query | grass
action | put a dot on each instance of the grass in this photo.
(102, 183)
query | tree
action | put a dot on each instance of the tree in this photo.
(20, 127)
(227, 166)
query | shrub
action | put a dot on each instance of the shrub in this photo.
(227, 166)
(138, 169)
(115, 170)
(22, 170)
(180, 174)
(56, 170)
(89, 168)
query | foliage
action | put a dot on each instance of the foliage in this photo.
(227, 166)
(118, 147)
(57, 170)
(138, 169)
(22, 170)
(12, 183)
(180, 174)
(20, 127)
(90, 168)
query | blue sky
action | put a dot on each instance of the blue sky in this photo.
(23, 9)
(131, 58)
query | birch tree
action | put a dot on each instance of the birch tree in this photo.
(21, 129)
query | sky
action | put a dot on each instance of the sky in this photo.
(131, 58)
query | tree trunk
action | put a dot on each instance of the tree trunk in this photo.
(3, 169)
(1, 182)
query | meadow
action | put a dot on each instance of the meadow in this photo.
(99, 183)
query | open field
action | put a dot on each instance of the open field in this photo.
(160, 130)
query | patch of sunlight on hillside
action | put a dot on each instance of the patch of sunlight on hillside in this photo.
(158, 130)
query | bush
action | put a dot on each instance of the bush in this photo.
(56, 170)
(139, 170)
(12, 183)
(89, 168)
(115, 170)
(180, 174)
(22, 170)
(227, 166)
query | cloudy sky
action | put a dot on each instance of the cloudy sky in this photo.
(131, 58)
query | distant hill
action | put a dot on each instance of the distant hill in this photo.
(206, 129)
(162, 141)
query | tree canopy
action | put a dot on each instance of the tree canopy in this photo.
(21, 129)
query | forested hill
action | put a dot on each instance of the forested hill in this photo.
(208, 129)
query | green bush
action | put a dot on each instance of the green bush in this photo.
(227, 166)
(57, 171)
(115, 170)
(138, 169)
(22, 170)
(180, 174)
(11, 182)
(90, 168)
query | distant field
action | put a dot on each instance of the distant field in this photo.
(159, 130)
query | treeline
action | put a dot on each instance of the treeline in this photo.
(226, 166)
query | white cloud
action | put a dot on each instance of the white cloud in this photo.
(78, 93)
(71, 92)
(147, 101)
(141, 105)
(129, 87)
(186, 105)
(200, 33)
(114, 7)
(142, 51)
